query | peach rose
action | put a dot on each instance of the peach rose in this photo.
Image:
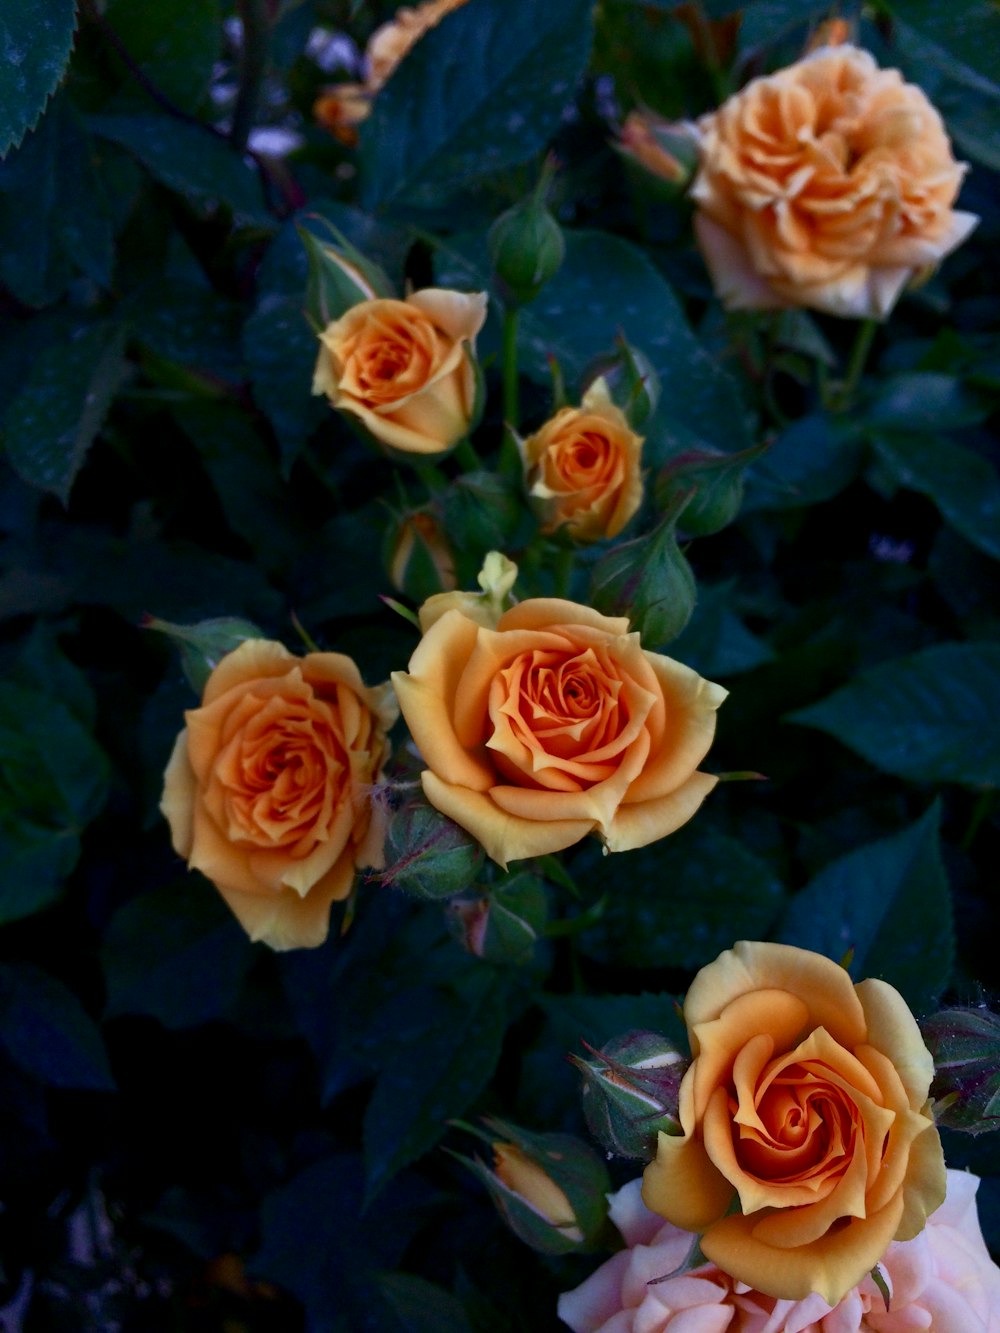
(582, 468)
(267, 791)
(805, 1106)
(341, 107)
(943, 1280)
(405, 368)
(549, 721)
(829, 184)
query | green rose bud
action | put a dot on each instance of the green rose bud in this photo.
(632, 381)
(339, 276)
(630, 1092)
(648, 580)
(549, 1188)
(965, 1044)
(716, 480)
(427, 854)
(503, 925)
(418, 557)
(526, 245)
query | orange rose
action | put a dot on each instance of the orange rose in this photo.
(341, 107)
(806, 1106)
(550, 721)
(268, 789)
(829, 184)
(582, 468)
(405, 368)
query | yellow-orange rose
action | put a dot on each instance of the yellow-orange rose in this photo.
(341, 107)
(829, 184)
(551, 723)
(268, 790)
(806, 1107)
(582, 468)
(405, 368)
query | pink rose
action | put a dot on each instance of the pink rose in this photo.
(942, 1280)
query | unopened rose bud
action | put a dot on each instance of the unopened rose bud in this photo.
(418, 557)
(496, 578)
(339, 276)
(203, 646)
(965, 1044)
(648, 580)
(667, 150)
(631, 379)
(717, 482)
(549, 1188)
(503, 925)
(630, 1092)
(526, 245)
(427, 854)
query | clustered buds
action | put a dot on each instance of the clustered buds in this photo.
(630, 1091)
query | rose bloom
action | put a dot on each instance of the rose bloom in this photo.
(550, 721)
(943, 1279)
(829, 184)
(341, 107)
(405, 368)
(806, 1106)
(267, 791)
(582, 468)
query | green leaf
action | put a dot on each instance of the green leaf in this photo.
(679, 902)
(190, 159)
(51, 424)
(925, 401)
(175, 45)
(46, 1030)
(435, 1078)
(321, 1244)
(928, 717)
(42, 666)
(969, 100)
(482, 91)
(812, 460)
(53, 781)
(281, 349)
(963, 485)
(58, 214)
(597, 1019)
(715, 641)
(421, 1306)
(966, 31)
(176, 954)
(36, 37)
(890, 902)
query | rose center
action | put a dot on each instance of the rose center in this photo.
(805, 1126)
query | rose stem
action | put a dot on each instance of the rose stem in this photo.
(466, 456)
(856, 364)
(563, 570)
(432, 478)
(253, 64)
(511, 462)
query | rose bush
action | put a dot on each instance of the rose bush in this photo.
(943, 1280)
(550, 721)
(405, 369)
(267, 791)
(829, 184)
(582, 468)
(806, 1104)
